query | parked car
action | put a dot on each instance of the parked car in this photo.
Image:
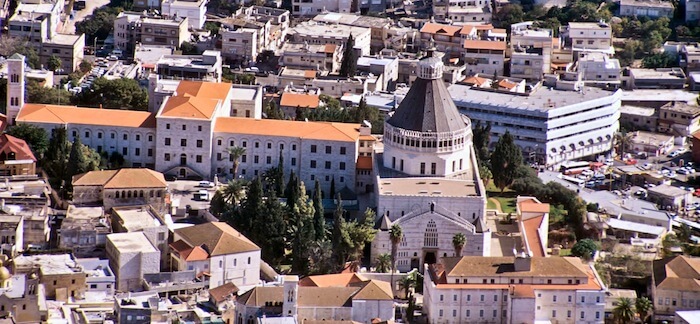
(206, 184)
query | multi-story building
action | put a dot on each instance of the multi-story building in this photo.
(584, 37)
(520, 289)
(16, 157)
(218, 249)
(123, 187)
(690, 54)
(555, 125)
(531, 51)
(271, 26)
(60, 274)
(312, 8)
(315, 33)
(692, 10)
(316, 57)
(361, 301)
(241, 44)
(100, 277)
(679, 118)
(194, 10)
(145, 219)
(385, 68)
(462, 11)
(140, 5)
(22, 298)
(445, 38)
(646, 8)
(598, 68)
(84, 231)
(25, 202)
(380, 27)
(674, 286)
(205, 67)
(129, 133)
(661, 78)
(68, 48)
(426, 178)
(131, 255)
(484, 56)
(131, 28)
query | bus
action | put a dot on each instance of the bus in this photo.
(575, 167)
(576, 181)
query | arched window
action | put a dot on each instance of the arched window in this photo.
(123, 194)
(430, 238)
(141, 194)
(117, 194)
(151, 194)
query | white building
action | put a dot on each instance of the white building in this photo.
(131, 255)
(583, 37)
(100, 277)
(647, 8)
(317, 57)
(531, 51)
(459, 12)
(513, 290)
(194, 10)
(317, 33)
(205, 67)
(312, 8)
(427, 179)
(218, 249)
(240, 44)
(557, 125)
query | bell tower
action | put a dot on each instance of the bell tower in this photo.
(15, 86)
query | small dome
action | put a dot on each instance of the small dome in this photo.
(4, 274)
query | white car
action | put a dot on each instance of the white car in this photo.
(683, 171)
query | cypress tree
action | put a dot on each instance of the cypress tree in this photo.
(272, 229)
(505, 161)
(348, 66)
(302, 214)
(319, 220)
(251, 210)
(340, 239)
(279, 181)
(333, 187)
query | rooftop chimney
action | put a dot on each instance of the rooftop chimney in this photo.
(522, 262)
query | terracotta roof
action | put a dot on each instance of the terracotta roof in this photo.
(486, 27)
(122, 178)
(288, 128)
(507, 84)
(196, 99)
(54, 114)
(472, 266)
(696, 135)
(374, 290)
(433, 28)
(530, 227)
(218, 237)
(475, 80)
(523, 291)
(326, 296)
(364, 162)
(196, 253)
(302, 100)
(329, 48)
(485, 44)
(222, 292)
(3, 122)
(13, 145)
(331, 280)
(532, 206)
(497, 30)
(258, 296)
(677, 273)
(310, 74)
(467, 29)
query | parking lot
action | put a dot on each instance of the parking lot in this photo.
(185, 195)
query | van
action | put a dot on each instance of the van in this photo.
(202, 195)
(206, 184)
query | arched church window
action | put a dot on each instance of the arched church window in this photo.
(430, 238)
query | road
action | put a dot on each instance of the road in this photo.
(90, 6)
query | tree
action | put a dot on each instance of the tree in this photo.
(233, 192)
(272, 229)
(659, 60)
(624, 311)
(252, 208)
(348, 66)
(333, 187)
(302, 230)
(485, 174)
(77, 162)
(57, 153)
(10, 46)
(54, 63)
(37, 93)
(272, 111)
(644, 308)
(122, 93)
(395, 236)
(508, 15)
(340, 238)
(684, 232)
(85, 66)
(622, 141)
(35, 137)
(361, 233)
(98, 25)
(585, 248)
(235, 153)
(188, 48)
(458, 241)
(481, 141)
(407, 283)
(279, 175)
(383, 263)
(363, 112)
(505, 160)
(319, 219)
(218, 205)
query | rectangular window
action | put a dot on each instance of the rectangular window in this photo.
(268, 160)
(167, 126)
(87, 134)
(342, 165)
(184, 127)
(257, 144)
(256, 159)
(166, 157)
(554, 313)
(199, 143)
(313, 148)
(167, 141)
(454, 313)
(294, 161)
(183, 142)
(199, 158)
(583, 315)
(328, 165)
(294, 147)
(468, 313)
(342, 150)
(329, 149)
(138, 137)
(244, 158)
(495, 313)
(481, 313)
(126, 137)
(442, 297)
(422, 168)
(313, 164)
(125, 151)
(137, 151)
(199, 128)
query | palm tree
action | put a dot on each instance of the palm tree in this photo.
(233, 192)
(644, 308)
(395, 235)
(623, 140)
(407, 282)
(383, 263)
(236, 152)
(458, 242)
(624, 311)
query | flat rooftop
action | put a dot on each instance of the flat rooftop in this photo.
(84, 212)
(353, 20)
(541, 99)
(658, 95)
(136, 218)
(637, 110)
(96, 268)
(63, 39)
(656, 139)
(588, 25)
(149, 55)
(50, 264)
(239, 92)
(367, 61)
(647, 3)
(131, 242)
(428, 187)
(681, 107)
(669, 191)
(327, 31)
(666, 74)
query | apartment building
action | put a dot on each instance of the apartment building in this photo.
(462, 11)
(585, 37)
(646, 8)
(554, 124)
(520, 289)
(240, 45)
(380, 27)
(599, 68)
(315, 57)
(275, 20)
(140, 5)
(445, 38)
(23, 297)
(679, 118)
(194, 10)
(314, 33)
(131, 255)
(531, 51)
(314, 7)
(84, 231)
(68, 48)
(692, 10)
(144, 219)
(60, 274)
(132, 28)
(204, 67)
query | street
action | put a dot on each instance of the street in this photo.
(79, 15)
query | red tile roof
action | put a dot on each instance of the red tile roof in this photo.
(10, 145)
(55, 114)
(433, 28)
(485, 44)
(302, 100)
